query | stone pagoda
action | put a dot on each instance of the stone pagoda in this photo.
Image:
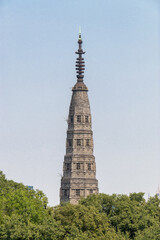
(79, 167)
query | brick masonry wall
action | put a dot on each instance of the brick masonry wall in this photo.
(79, 167)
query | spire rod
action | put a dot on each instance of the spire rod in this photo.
(80, 63)
(79, 32)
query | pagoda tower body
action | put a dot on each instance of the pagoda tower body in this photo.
(79, 167)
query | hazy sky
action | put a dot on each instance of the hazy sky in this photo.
(38, 40)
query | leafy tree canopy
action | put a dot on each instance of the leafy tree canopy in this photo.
(25, 214)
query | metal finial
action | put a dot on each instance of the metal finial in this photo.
(80, 64)
(79, 32)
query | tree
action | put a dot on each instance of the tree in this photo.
(24, 215)
(81, 222)
(127, 214)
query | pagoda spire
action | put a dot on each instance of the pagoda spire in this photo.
(80, 66)
(80, 63)
(79, 166)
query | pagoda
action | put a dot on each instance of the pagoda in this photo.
(79, 167)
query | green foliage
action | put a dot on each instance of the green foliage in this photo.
(15, 198)
(79, 220)
(127, 214)
(24, 214)
(150, 233)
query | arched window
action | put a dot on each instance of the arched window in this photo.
(89, 166)
(86, 119)
(78, 166)
(79, 142)
(87, 142)
(70, 142)
(65, 192)
(79, 118)
(77, 192)
(68, 166)
(72, 119)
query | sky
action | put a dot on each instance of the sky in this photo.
(38, 40)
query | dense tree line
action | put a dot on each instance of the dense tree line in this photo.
(24, 214)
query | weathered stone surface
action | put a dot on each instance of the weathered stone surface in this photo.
(79, 167)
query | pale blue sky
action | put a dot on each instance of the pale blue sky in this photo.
(38, 40)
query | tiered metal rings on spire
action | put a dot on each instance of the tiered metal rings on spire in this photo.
(80, 63)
